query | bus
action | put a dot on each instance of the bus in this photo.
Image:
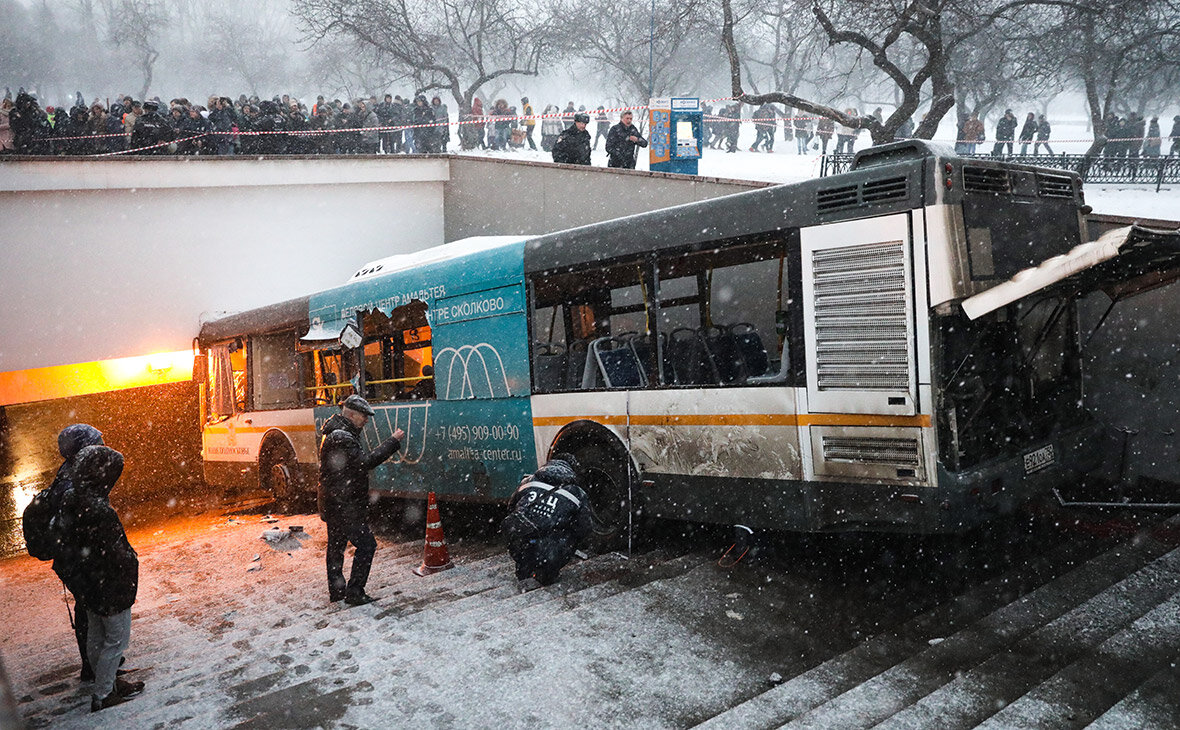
(896, 348)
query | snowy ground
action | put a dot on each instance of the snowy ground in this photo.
(784, 165)
(667, 638)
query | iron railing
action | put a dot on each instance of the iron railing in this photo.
(1105, 169)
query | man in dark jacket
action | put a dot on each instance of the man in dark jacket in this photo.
(344, 496)
(106, 570)
(223, 119)
(1027, 132)
(151, 130)
(70, 441)
(548, 516)
(1005, 133)
(573, 145)
(621, 142)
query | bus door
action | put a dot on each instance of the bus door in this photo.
(863, 417)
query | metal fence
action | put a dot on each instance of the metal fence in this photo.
(1102, 169)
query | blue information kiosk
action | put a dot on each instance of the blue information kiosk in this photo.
(676, 128)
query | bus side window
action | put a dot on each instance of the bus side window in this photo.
(322, 371)
(398, 354)
(275, 377)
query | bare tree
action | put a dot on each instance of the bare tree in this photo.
(1115, 48)
(137, 24)
(458, 45)
(647, 50)
(909, 42)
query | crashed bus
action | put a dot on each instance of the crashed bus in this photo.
(896, 348)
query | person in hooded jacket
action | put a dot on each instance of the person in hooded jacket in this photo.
(573, 145)
(621, 143)
(106, 569)
(442, 115)
(70, 441)
(344, 496)
(424, 136)
(549, 516)
(1027, 132)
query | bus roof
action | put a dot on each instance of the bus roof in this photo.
(445, 252)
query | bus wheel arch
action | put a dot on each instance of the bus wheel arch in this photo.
(609, 475)
(278, 468)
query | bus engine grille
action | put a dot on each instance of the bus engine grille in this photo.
(861, 326)
(861, 450)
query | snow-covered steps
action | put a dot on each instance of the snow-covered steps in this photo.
(1155, 703)
(887, 673)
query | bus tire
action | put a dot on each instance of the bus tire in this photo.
(608, 478)
(279, 475)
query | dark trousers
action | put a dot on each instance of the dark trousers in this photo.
(541, 557)
(339, 535)
(528, 135)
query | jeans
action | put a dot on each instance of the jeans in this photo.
(409, 143)
(106, 639)
(529, 137)
(339, 535)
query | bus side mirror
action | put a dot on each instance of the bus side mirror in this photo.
(201, 368)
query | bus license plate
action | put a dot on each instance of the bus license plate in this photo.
(1039, 459)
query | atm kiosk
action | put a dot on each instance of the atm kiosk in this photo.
(676, 127)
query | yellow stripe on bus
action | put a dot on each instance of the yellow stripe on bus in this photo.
(747, 419)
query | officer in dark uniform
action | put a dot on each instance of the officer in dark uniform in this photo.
(344, 496)
(549, 516)
(151, 129)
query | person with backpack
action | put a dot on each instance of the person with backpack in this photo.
(43, 538)
(549, 515)
(106, 570)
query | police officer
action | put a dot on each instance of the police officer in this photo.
(151, 129)
(573, 145)
(344, 496)
(549, 516)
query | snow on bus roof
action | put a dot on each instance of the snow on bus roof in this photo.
(445, 252)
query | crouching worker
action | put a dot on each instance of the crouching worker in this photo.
(106, 570)
(344, 497)
(549, 516)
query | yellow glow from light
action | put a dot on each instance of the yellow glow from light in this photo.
(63, 381)
(22, 495)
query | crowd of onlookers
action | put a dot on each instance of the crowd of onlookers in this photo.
(286, 125)
(283, 125)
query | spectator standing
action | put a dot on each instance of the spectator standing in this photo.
(802, 132)
(151, 131)
(733, 127)
(106, 570)
(549, 516)
(1175, 136)
(824, 130)
(477, 123)
(622, 141)
(550, 127)
(1027, 132)
(603, 125)
(973, 133)
(1152, 143)
(530, 122)
(906, 130)
(573, 145)
(6, 144)
(424, 134)
(223, 120)
(1005, 133)
(367, 120)
(845, 135)
(1043, 133)
(442, 118)
(384, 112)
(503, 124)
(344, 495)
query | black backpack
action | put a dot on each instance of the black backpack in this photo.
(41, 538)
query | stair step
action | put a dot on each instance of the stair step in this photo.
(975, 694)
(1090, 686)
(869, 658)
(1154, 704)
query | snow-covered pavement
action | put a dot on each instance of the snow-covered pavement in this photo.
(1036, 624)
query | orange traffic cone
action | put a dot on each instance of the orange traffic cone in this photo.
(434, 555)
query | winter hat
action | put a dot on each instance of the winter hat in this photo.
(76, 437)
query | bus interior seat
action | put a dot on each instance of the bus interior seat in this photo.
(749, 344)
(784, 369)
(692, 363)
(576, 361)
(641, 346)
(549, 365)
(617, 364)
(727, 357)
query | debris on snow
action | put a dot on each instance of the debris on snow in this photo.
(775, 678)
(734, 615)
(935, 641)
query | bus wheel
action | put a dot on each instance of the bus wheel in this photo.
(607, 479)
(279, 476)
